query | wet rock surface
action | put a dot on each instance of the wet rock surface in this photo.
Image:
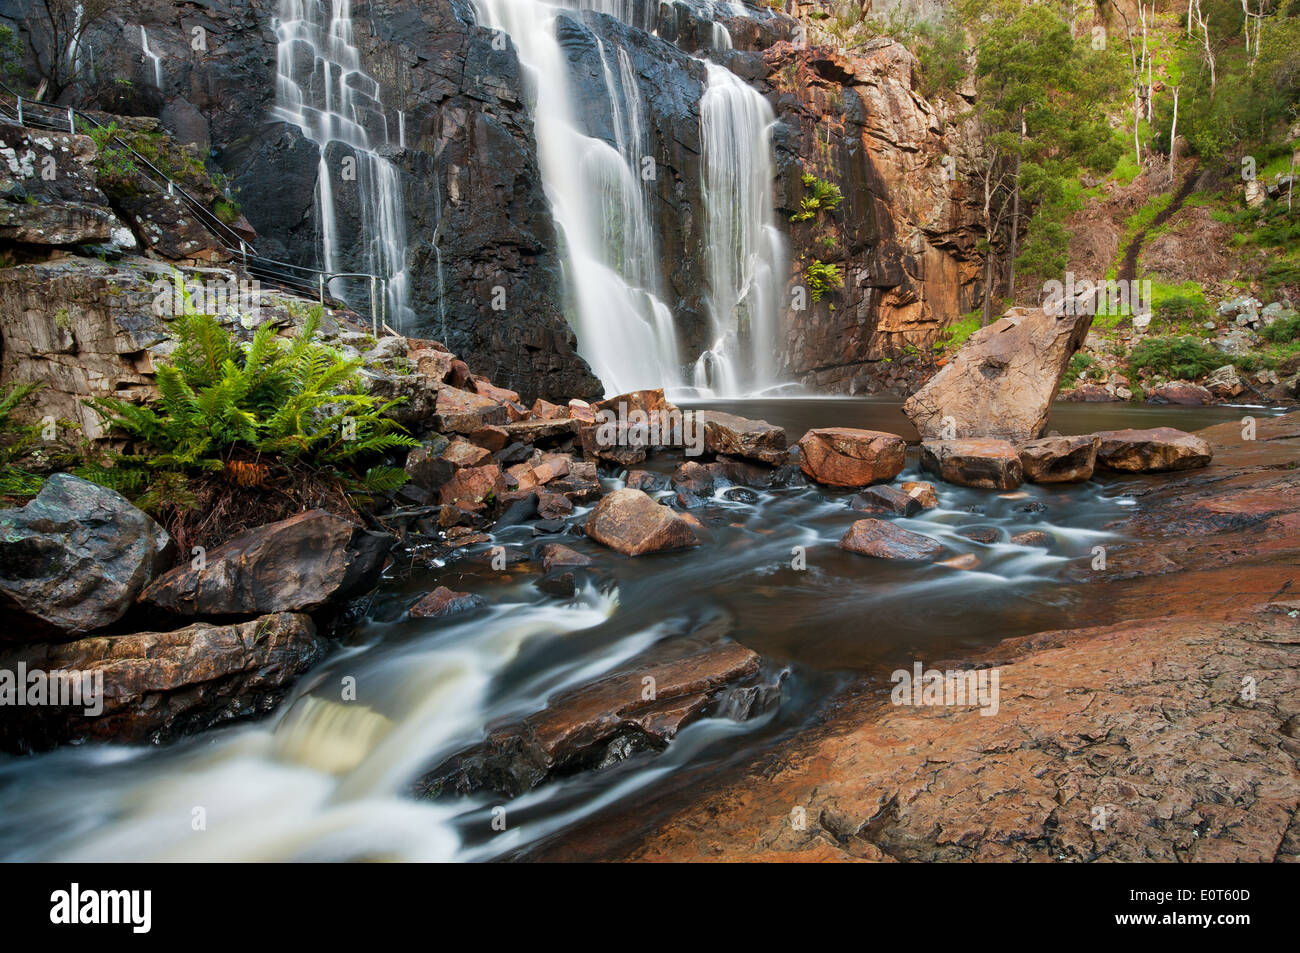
(603, 722)
(297, 564)
(1152, 451)
(74, 559)
(632, 523)
(884, 540)
(159, 685)
(1059, 459)
(985, 464)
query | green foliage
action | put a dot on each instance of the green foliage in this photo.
(11, 56)
(825, 197)
(226, 210)
(822, 277)
(1180, 308)
(115, 167)
(1178, 358)
(1077, 368)
(17, 441)
(1283, 330)
(294, 402)
(954, 335)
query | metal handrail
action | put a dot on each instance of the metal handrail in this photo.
(280, 272)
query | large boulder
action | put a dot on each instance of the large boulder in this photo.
(632, 523)
(158, 685)
(74, 559)
(1059, 459)
(844, 456)
(985, 464)
(884, 540)
(296, 565)
(1003, 380)
(741, 437)
(1152, 451)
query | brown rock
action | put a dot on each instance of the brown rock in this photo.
(633, 524)
(160, 685)
(694, 478)
(843, 456)
(1032, 537)
(1090, 394)
(557, 555)
(541, 431)
(1152, 451)
(924, 493)
(1182, 393)
(986, 464)
(462, 453)
(582, 411)
(885, 540)
(741, 437)
(886, 499)
(600, 722)
(491, 438)
(644, 480)
(459, 411)
(1003, 380)
(582, 485)
(545, 410)
(443, 602)
(1059, 459)
(473, 488)
(553, 506)
(485, 388)
(296, 564)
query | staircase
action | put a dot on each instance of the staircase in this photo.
(297, 279)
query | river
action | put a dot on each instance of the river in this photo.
(324, 779)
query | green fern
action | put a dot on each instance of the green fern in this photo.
(296, 402)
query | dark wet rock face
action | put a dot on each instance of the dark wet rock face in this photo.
(884, 540)
(986, 464)
(1151, 451)
(1059, 459)
(297, 564)
(74, 559)
(157, 686)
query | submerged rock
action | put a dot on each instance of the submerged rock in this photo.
(296, 564)
(844, 456)
(1059, 459)
(443, 602)
(984, 464)
(886, 499)
(923, 492)
(74, 559)
(884, 540)
(632, 523)
(1152, 451)
(158, 685)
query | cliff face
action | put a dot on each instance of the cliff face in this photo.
(903, 238)
(477, 218)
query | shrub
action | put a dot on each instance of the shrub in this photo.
(1178, 358)
(1180, 308)
(17, 442)
(826, 197)
(1077, 367)
(1283, 330)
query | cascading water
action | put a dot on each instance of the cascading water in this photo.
(153, 57)
(625, 330)
(322, 89)
(745, 251)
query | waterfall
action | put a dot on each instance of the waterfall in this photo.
(322, 89)
(612, 267)
(153, 57)
(624, 330)
(745, 251)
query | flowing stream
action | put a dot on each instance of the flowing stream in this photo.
(328, 777)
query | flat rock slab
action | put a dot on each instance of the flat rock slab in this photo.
(886, 499)
(884, 540)
(632, 523)
(459, 411)
(601, 722)
(1152, 451)
(982, 463)
(844, 456)
(741, 437)
(74, 559)
(1059, 459)
(159, 685)
(294, 565)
